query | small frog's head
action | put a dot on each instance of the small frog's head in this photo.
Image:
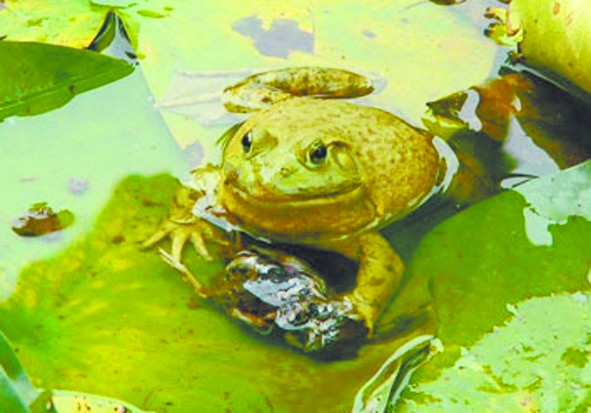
(290, 173)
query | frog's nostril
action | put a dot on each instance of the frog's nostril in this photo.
(285, 172)
(232, 176)
(231, 173)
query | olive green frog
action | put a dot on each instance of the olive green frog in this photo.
(307, 170)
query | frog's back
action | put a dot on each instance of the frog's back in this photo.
(400, 162)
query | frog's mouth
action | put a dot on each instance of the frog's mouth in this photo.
(344, 194)
(335, 212)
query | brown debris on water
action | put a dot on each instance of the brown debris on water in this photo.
(40, 219)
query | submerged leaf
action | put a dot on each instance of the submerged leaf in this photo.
(39, 77)
(111, 319)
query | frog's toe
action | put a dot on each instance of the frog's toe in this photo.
(200, 235)
(187, 274)
(179, 238)
(199, 244)
(368, 312)
(158, 236)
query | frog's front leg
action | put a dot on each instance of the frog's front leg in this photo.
(182, 226)
(379, 276)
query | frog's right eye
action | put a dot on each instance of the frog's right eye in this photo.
(247, 142)
(317, 153)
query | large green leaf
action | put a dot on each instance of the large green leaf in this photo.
(521, 245)
(551, 36)
(120, 121)
(59, 22)
(106, 318)
(39, 77)
(536, 361)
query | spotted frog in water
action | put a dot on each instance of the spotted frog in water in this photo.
(308, 170)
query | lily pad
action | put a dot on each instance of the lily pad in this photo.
(537, 361)
(61, 22)
(551, 37)
(39, 77)
(521, 245)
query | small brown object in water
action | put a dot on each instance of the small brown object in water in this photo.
(40, 220)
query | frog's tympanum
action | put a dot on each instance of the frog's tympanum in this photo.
(310, 171)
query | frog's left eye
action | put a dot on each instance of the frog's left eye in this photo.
(318, 153)
(246, 142)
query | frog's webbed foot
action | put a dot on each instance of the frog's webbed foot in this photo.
(379, 276)
(198, 232)
(187, 274)
(265, 89)
(183, 227)
(368, 311)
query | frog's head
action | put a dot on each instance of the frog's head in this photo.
(290, 173)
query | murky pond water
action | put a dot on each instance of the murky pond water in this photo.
(87, 309)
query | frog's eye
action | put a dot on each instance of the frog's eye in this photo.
(247, 142)
(318, 153)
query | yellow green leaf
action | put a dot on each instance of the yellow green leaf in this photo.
(556, 37)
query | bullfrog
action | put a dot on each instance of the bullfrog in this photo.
(309, 168)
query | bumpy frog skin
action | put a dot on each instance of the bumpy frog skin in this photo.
(312, 171)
